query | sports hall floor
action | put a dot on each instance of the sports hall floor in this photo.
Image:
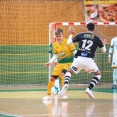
(29, 103)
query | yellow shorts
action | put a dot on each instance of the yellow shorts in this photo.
(59, 67)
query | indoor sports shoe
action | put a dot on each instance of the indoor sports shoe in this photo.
(47, 97)
(64, 89)
(47, 102)
(89, 92)
(114, 87)
(65, 96)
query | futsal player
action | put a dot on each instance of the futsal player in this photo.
(84, 58)
(64, 53)
(113, 50)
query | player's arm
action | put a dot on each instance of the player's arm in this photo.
(104, 47)
(110, 53)
(55, 56)
(71, 31)
(111, 50)
(74, 52)
(70, 41)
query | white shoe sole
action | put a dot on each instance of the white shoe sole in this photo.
(64, 97)
(48, 98)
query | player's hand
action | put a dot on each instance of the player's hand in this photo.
(104, 41)
(71, 30)
(47, 64)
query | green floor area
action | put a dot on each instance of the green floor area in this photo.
(8, 115)
(105, 90)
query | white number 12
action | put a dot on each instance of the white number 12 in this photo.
(89, 42)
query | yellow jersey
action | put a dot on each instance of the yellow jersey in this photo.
(64, 51)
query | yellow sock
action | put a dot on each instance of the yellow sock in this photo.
(62, 80)
(50, 85)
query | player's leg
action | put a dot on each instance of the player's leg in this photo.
(73, 69)
(56, 84)
(92, 67)
(114, 78)
(64, 71)
(60, 70)
(55, 89)
(65, 87)
(62, 75)
(114, 66)
(55, 74)
(93, 82)
(50, 85)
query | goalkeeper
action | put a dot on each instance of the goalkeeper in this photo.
(113, 50)
(64, 53)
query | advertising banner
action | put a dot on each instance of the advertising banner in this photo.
(100, 10)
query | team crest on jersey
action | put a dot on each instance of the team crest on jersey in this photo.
(62, 54)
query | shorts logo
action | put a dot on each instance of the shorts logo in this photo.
(74, 68)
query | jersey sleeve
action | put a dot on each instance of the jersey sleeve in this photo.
(100, 44)
(75, 39)
(72, 47)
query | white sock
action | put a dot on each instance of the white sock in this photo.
(56, 84)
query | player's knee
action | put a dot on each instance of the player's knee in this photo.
(63, 72)
(53, 78)
(97, 73)
(70, 71)
(97, 76)
(68, 74)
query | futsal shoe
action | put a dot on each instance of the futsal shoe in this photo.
(114, 87)
(47, 97)
(89, 92)
(47, 102)
(64, 89)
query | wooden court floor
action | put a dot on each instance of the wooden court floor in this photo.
(30, 104)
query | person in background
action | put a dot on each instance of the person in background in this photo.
(65, 54)
(113, 50)
(83, 59)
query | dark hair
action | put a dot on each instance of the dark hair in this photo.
(58, 31)
(90, 26)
